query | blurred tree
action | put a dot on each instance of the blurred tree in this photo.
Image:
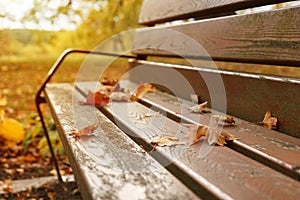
(98, 19)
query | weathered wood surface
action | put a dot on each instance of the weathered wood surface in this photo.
(248, 96)
(108, 164)
(284, 150)
(268, 38)
(156, 11)
(228, 170)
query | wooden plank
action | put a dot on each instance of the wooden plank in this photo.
(155, 11)
(277, 150)
(266, 38)
(248, 96)
(108, 164)
(231, 172)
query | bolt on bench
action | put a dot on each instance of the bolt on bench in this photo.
(118, 161)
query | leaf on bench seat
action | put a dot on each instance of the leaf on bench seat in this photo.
(97, 98)
(269, 121)
(143, 89)
(85, 131)
(213, 135)
(201, 108)
(108, 81)
(224, 120)
(163, 140)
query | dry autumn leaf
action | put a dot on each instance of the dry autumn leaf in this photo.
(163, 140)
(213, 135)
(108, 81)
(6, 186)
(142, 90)
(97, 99)
(85, 131)
(11, 130)
(224, 120)
(201, 108)
(269, 121)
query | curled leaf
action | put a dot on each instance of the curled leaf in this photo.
(269, 121)
(213, 135)
(97, 99)
(224, 120)
(201, 108)
(85, 131)
(142, 90)
(163, 140)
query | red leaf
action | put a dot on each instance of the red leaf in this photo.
(97, 99)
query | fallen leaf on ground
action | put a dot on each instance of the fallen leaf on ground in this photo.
(201, 108)
(163, 140)
(142, 90)
(224, 120)
(85, 131)
(213, 135)
(3, 100)
(11, 130)
(97, 99)
(6, 186)
(269, 121)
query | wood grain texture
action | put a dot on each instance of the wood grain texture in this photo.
(284, 150)
(247, 96)
(267, 38)
(231, 172)
(108, 164)
(156, 11)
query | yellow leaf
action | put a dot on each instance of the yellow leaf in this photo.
(11, 130)
(3, 101)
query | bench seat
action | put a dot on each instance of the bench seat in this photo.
(108, 164)
(224, 173)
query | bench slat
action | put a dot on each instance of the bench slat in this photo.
(248, 96)
(107, 164)
(156, 11)
(223, 167)
(266, 38)
(277, 146)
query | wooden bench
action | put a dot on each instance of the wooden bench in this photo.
(118, 161)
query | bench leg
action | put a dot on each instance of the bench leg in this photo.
(54, 160)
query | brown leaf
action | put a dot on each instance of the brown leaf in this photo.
(213, 136)
(108, 81)
(97, 99)
(269, 121)
(85, 131)
(162, 140)
(142, 90)
(6, 186)
(224, 120)
(201, 108)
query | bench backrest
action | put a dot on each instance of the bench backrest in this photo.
(270, 37)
